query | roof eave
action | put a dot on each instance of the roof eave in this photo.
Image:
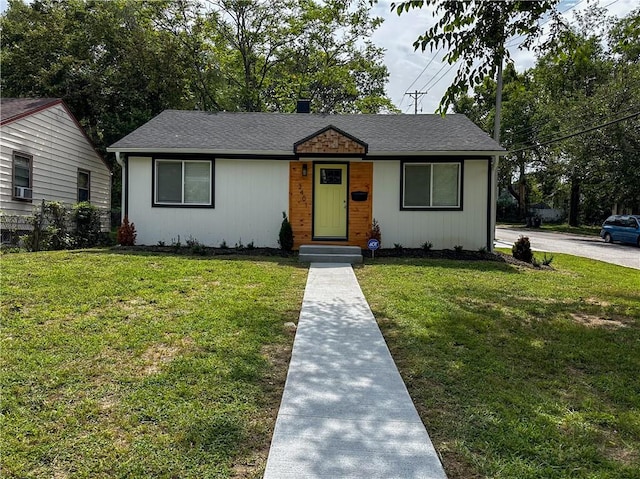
(439, 153)
(202, 151)
(371, 154)
(33, 111)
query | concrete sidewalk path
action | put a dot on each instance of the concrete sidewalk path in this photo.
(345, 411)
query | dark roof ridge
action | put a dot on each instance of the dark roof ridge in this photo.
(323, 114)
(12, 109)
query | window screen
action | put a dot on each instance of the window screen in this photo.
(431, 185)
(21, 171)
(417, 185)
(83, 185)
(183, 182)
(445, 185)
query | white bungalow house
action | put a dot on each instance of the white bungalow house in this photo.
(45, 155)
(228, 177)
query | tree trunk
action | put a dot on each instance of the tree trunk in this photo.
(574, 202)
(514, 193)
(522, 205)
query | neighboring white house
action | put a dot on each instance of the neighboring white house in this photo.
(228, 177)
(45, 155)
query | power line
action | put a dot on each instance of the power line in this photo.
(540, 123)
(423, 70)
(609, 4)
(563, 120)
(514, 40)
(431, 85)
(578, 133)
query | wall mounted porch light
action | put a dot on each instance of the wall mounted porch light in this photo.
(304, 169)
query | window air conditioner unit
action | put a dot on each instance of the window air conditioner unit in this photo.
(23, 192)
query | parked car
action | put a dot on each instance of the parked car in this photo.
(622, 228)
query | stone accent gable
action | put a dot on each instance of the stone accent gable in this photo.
(330, 141)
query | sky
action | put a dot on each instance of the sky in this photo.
(397, 34)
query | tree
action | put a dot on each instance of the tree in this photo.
(589, 78)
(119, 63)
(520, 117)
(475, 33)
(570, 74)
(277, 52)
(105, 59)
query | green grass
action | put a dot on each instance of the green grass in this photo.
(518, 373)
(586, 230)
(142, 365)
(149, 365)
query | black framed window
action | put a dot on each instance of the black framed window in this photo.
(22, 177)
(431, 185)
(84, 185)
(183, 182)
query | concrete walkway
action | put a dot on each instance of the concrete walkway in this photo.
(345, 411)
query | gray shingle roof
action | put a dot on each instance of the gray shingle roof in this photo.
(264, 133)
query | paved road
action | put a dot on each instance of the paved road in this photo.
(587, 246)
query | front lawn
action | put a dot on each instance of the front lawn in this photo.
(142, 365)
(152, 365)
(518, 373)
(585, 230)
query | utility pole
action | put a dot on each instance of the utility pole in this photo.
(415, 95)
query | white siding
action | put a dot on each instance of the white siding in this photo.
(58, 148)
(249, 196)
(444, 229)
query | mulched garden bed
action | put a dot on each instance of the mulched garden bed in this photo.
(199, 250)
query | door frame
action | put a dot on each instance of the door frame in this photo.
(313, 202)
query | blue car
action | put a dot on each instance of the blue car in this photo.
(622, 228)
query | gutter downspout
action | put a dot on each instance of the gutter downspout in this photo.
(124, 197)
(492, 181)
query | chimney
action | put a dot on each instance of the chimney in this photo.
(303, 106)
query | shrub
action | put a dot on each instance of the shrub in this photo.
(48, 227)
(56, 216)
(458, 248)
(546, 260)
(224, 245)
(87, 220)
(427, 245)
(398, 246)
(374, 232)
(196, 247)
(285, 238)
(127, 233)
(522, 250)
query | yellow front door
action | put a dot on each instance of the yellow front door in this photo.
(330, 201)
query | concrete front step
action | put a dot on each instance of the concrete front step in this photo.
(330, 254)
